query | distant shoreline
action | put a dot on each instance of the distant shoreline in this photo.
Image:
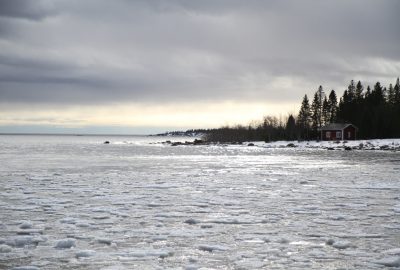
(70, 134)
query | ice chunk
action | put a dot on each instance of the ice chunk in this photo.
(191, 221)
(283, 240)
(5, 249)
(21, 241)
(85, 253)
(25, 268)
(329, 242)
(389, 261)
(149, 253)
(342, 244)
(394, 251)
(68, 220)
(192, 267)
(65, 243)
(104, 241)
(83, 225)
(211, 248)
(25, 225)
(162, 253)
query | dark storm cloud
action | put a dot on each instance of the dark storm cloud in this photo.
(26, 9)
(112, 51)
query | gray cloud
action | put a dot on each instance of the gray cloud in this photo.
(80, 52)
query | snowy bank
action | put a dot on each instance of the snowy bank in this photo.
(377, 144)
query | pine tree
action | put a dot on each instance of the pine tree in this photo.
(359, 91)
(290, 128)
(351, 91)
(377, 94)
(396, 110)
(321, 96)
(368, 93)
(397, 92)
(391, 96)
(304, 118)
(326, 112)
(332, 106)
(316, 109)
(316, 115)
(342, 114)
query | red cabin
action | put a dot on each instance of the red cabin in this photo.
(338, 132)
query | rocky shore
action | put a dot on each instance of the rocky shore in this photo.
(383, 144)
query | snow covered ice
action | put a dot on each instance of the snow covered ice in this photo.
(72, 202)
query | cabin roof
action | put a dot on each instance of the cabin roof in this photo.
(336, 126)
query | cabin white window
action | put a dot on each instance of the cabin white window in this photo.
(338, 134)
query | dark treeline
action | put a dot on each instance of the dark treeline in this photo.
(375, 111)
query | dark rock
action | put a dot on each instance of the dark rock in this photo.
(348, 148)
(176, 143)
(331, 148)
(330, 242)
(290, 145)
(196, 141)
(250, 144)
(106, 142)
(384, 147)
(191, 221)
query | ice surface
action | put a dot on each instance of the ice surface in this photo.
(74, 201)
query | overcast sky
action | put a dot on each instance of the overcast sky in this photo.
(154, 64)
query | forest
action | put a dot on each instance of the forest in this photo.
(374, 111)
